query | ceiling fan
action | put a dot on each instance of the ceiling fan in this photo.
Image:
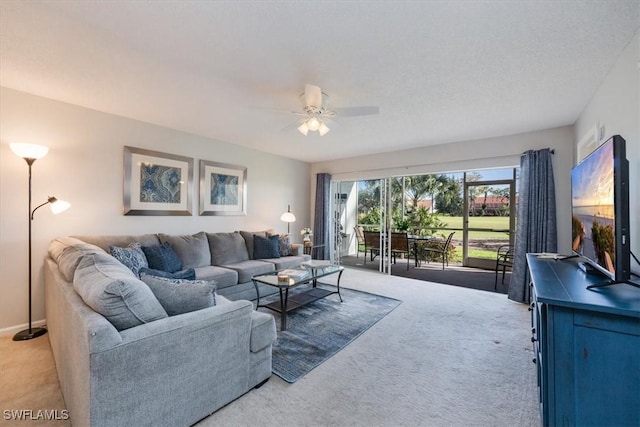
(315, 114)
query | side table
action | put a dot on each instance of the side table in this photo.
(312, 250)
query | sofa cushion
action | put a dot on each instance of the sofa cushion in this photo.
(162, 257)
(285, 262)
(186, 274)
(132, 257)
(112, 290)
(193, 250)
(224, 277)
(266, 247)
(67, 253)
(250, 268)
(179, 296)
(227, 248)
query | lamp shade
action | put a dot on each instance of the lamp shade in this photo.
(303, 128)
(288, 217)
(29, 151)
(58, 206)
(313, 123)
(323, 129)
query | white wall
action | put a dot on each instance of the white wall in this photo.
(85, 167)
(471, 155)
(616, 108)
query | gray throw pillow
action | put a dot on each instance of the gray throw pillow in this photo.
(193, 250)
(132, 256)
(179, 296)
(112, 290)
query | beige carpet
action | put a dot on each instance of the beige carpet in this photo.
(447, 356)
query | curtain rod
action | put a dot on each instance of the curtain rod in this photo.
(551, 150)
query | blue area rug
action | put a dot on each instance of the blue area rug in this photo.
(319, 330)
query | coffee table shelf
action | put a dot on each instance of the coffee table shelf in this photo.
(287, 302)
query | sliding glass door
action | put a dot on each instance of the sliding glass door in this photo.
(489, 217)
(477, 206)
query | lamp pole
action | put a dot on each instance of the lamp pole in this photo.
(31, 332)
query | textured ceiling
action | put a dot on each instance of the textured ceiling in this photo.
(440, 71)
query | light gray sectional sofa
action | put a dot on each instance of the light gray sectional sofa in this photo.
(154, 369)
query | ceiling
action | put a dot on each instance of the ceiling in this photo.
(440, 71)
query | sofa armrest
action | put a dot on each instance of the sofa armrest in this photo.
(263, 331)
(296, 249)
(189, 321)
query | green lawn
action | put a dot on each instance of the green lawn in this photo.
(482, 244)
(488, 222)
(491, 222)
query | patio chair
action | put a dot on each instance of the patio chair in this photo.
(441, 248)
(504, 260)
(360, 239)
(371, 244)
(400, 245)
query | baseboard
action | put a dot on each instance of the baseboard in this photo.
(11, 330)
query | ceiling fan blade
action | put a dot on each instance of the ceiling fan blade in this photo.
(356, 111)
(312, 96)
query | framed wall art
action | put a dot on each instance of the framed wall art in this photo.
(157, 183)
(223, 189)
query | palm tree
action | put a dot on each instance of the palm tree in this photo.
(420, 186)
(449, 198)
(504, 193)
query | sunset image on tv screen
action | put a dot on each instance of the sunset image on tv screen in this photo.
(593, 222)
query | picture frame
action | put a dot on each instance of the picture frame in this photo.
(157, 183)
(223, 189)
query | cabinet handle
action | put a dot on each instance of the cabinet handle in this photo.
(533, 339)
(533, 330)
(534, 360)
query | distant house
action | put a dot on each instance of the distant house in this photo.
(426, 203)
(491, 206)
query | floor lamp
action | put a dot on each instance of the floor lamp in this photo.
(30, 153)
(288, 217)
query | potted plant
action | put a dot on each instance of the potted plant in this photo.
(306, 235)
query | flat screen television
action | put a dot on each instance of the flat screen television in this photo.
(600, 210)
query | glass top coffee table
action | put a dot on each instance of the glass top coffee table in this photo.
(287, 279)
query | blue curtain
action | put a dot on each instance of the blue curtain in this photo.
(536, 229)
(322, 216)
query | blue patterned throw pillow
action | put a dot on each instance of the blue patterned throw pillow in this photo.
(266, 247)
(187, 274)
(132, 256)
(162, 257)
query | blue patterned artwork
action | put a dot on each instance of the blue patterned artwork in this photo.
(224, 189)
(160, 184)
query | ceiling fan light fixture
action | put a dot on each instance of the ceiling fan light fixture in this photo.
(303, 128)
(323, 129)
(313, 123)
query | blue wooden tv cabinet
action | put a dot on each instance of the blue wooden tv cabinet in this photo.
(586, 345)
